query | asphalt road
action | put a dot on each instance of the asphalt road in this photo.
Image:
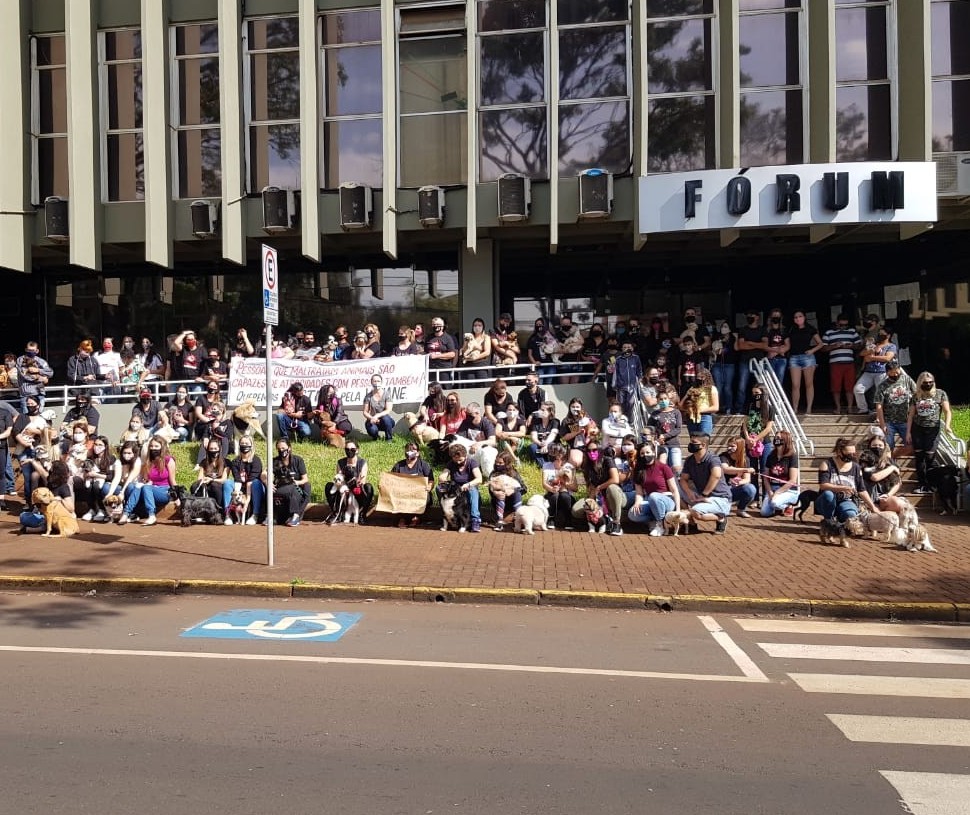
(459, 709)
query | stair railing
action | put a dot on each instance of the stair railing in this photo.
(785, 417)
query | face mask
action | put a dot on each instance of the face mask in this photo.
(893, 378)
(620, 331)
(31, 354)
(146, 345)
(647, 459)
(154, 453)
(213, 453)
(32, 409)
(412, 454)
(731, 451)
(627, 352)
(244, 450)
(369, 333)
(350, 453)
(134, 427)
(191, 343)
(596, 333)
(663, 403)
(654, 380)
(285, 453)
(627, 448)
(79, 437)
(145, 400)
(593, 455)
(848, 456)
(402, 337)
(511, 416)
(776, 441)
(878, 450)
(693, 447)
(927, 386)
(128, 457)
(690, 320)
(756, 397)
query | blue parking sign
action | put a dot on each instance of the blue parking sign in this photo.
(263, 624)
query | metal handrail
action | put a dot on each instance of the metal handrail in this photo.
(785, 416)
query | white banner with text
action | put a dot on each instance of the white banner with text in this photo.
(405, 378)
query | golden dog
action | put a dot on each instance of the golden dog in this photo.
(420, 429)
(246, 419)
(58, 519)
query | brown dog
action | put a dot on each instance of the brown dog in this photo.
(245, 417)
(330, 435)
(58, 519)
(114, 506)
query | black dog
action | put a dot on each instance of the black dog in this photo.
(439, 449)
(805, 499)
(944, 479)
(456, 509)
(196, 508)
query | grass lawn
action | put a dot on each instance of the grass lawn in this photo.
(961, 421)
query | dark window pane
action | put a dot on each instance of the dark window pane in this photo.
(432, 19)
(574, 12)
(352, 151)
(433, 75)
(198, 91)
(678, 8)
(760, 5)
(514, 141)
(126, 167)
(122, 44)
(594, 135)
(505, 15)
(681, 134)
(279, 32)
(860, 44)
(351, 27)
(53, 100)
(592, 63)
(200, 163)
(768, 47)
(679, 56)
(353, 80)
(951, 115)
(512, 69)
(771, 128)
(433, 150)
(197, 39)
(124, 96)
(951, 33)
(51, 51)
(275, 86)
(52, 168)
(274, 156)
(862, 124)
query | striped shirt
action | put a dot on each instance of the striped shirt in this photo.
(836, 335)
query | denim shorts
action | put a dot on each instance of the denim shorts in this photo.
(802, 361)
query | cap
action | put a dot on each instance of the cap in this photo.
(505, 316)
(892, 365)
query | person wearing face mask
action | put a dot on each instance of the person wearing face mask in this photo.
(505, 501)
(751, 343)
(929, 413)
(33, 374)
(875, 354)
(543, 430)
(441, 350)
(103, 478)
(187, 356)
(476, 351)
(702, 485)
(576, 430)
(291, 484)
(497, 400)
(246, 470)
(738, 472)
(531, 396)
(892, 402)
(539, 350)
(74, 450)
(695, 331)
(181, 414)
(214, 369)
(372, 342)
(881, 474)
(724, 362)
(569, 342)
(414, 466)
(841, 342)
(220, 430)
(593, 349)
(759, 429)
(309, 348)
(627, 374)
(147, 410)
(419, 337)
(477, 434)
(82, 409)
(83, 368)
(780, 478)
(510, 431)
(656, 491)
(293, 416)
(505, 344)
(667, 422)
(778, 344)
(377, 410)
(129, 481)
(804, 343)
(405, 346)
(434, 404)
(841, 487)
(135, 432)
(354, 470)
(109, 365)
(650, 387)
(625, 460)
(454, 415)
(330, 408)
(214, 478)
(615, 426)
(157, 476)
(602, 485)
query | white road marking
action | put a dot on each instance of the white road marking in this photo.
(856, 629)
(903, 730)
(741, 659)
(401, 663)
(931, 793)
(851, 653)
(914, 686)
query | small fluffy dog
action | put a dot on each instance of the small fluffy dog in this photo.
(674, 521)
(55, 514)
(502, 486)
(532, 515)
(467, 350)
(114, 506)
(196, 509)
(168, 433)
(881, 522)
(348, 507)
(911, 534)
(456, 509)
(507, 354)
(806, 498)
(238, 507)
(596, 518)
(245, 419)
(691, 404)
(831, 531)
(420, 429)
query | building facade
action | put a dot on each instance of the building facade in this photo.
(381, 146)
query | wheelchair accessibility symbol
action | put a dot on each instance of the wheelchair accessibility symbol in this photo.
(262, 624)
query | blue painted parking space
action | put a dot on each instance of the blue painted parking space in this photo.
(265, 624)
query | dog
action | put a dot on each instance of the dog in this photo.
(168, 433)
(532, 515)
(348, 507)
(691, 404)
(56, 516)
(420, 429)
(880, 522)
(507, 350)
(912, 539)
(944, 479)
(831, 531)
(467, 349)
(245, 418)
(114, 506)
(806, 498)
(674, 521)
(456, 510)
(502, 486)
(329, 434)
(238, 507)
(439, 449)
(855, 527)
(596, 519)
(196, 509)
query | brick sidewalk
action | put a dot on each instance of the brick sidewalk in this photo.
(756, 558)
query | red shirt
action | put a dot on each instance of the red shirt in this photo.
(654, 478)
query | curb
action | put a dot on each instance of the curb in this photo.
(691, 603)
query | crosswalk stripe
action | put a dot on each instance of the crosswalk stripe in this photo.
(931, 793)
(903, 730)
(914, 686)
(855, 629)
(851, 653)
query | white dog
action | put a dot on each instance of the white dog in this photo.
(674, 520)
(911, 534)
(533, 514)
(348, 508)
(420, 429)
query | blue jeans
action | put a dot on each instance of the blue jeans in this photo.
(705, 425)
(132, 497)
(384, 424)
(546, 374)
(893, 428)
(744, 495)
(778, 500)
(301, 431)
(8, 477)
(723, 374)
(473, 497)
(655, 507)
(33, 520)
(536, 456)
(826, 505)
(779, 365)
(153, 497)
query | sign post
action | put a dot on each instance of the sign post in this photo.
(271, 317)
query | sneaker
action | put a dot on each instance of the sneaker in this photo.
(616, 530)
(293, 520)
(123, 520)
(250, 521)
(476, 525)
(923, 491)
(227, 522)
(151, 520)
(499, 527)
(656, 529)
(743, 513)
(721, 526)
(88, 516)
(99, 517)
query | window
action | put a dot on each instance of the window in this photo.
(769, 46)
(352, 147)
(951, 75)
(273, 102)
(681, 114)
(863, 95)
(49, 125)
(432, 83)
(124, 171)
(196, 119)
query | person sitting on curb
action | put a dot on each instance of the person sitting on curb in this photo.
(291, 484)
(157, 474)
(465, 472)
(702, 485)
(841, 486)
(780, 477)
(559, 481)
(215, 479)
(734, 462)
(656, 490)
(353, 468)
(413, 465)
(247, 469)
(602, 485)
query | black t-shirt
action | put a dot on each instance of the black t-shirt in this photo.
(497, 405)
(442, 343)
(418, 467)
(89, 414)
(801, 338)
(285, 473)
(542, 432)
(751, 335)
(528, 402)
(5, 422)
(476, 432)
(246, 471)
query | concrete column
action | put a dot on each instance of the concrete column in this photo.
(232, 130)
(159, 221)
(477, 287)
(16, 214)
(821, 81)
(86, 215)
(727, 86)
(471, 209)
(389, 125)
(915, 93)
(309, 130)
(639, 105)
(552, 127)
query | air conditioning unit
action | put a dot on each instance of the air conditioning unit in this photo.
(431, 206)
(356, 206)
(514, 198)
(278, 209)
(952, 175)
(56, 219)
(595, 195)
(205, 216)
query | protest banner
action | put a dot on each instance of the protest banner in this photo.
(401, 494)
(405, 378)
